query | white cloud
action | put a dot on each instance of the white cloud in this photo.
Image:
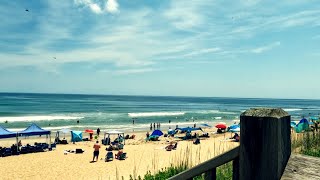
(203, 51)
(265, 48)
(112, 6)
(95, 8)
(99, 6)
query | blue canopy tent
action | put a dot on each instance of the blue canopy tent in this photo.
(35, 130)
(76, 136)
(4, 133)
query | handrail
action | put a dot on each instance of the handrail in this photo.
(208, 165)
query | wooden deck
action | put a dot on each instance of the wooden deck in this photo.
(302, 167)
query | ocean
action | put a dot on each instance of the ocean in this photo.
(112, 112)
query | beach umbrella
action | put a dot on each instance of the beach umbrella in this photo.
(157, 133)
(221, 126)
(234, 126)
(90, 131)
(235, 130)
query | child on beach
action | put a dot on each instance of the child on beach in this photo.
(96, 150)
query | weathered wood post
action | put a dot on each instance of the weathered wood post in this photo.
(265, 144)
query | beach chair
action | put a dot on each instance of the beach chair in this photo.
(24, 150)
(175, 146)
(120, 146)
(123, 156)
(7, 152)
(109, 156)
(31, 149)
(197, 141)
(39, 148)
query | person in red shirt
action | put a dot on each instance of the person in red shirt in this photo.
(96, 148)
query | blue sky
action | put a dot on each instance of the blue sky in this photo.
(228, 48)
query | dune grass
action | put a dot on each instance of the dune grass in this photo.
(307, 143)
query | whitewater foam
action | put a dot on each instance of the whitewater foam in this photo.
(149, 114)
(292, 109)
(37, 118)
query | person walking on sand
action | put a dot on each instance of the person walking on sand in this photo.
(96, 148)
(150, 126)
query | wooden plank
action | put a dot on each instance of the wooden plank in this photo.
(235, 169)
(211, 174)
(302, 167)
(208, 165)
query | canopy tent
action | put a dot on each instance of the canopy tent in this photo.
(188, 129)
(4, 133)
(64, 131)
(76, 136)
(106, 138)
(157, 133)
(35, 130)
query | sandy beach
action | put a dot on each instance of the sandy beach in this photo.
(142, 156)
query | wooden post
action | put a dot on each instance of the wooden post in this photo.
(235, 169)
(265, 144)
(211, 174)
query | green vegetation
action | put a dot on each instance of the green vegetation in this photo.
(224, 172)
(308, 144)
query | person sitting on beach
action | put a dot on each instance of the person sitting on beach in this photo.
(236, 137)
(147, 134)
(19, 143)
(219, 131)
(117, 156)
(170, 146)
(132, 136)
(110, 148)
(197, 141)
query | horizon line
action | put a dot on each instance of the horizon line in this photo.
(101, 94)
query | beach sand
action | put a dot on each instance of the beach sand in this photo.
(141, 157)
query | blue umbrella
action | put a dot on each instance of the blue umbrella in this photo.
(157, 133)
(234, 126)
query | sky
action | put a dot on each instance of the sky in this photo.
(211, 48)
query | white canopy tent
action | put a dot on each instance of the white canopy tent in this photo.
(106, 139)
(64, 131)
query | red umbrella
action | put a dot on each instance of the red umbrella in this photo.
(221, 126)
(88, 131)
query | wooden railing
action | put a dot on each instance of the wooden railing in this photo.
(209, 167)
(264, 151)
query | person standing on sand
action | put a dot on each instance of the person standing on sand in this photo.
(154, 126)
(98, 131)
(150, 126)
(96, 148)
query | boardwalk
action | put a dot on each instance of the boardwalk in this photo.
(302, 167)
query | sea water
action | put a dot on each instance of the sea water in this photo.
(57, 111)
